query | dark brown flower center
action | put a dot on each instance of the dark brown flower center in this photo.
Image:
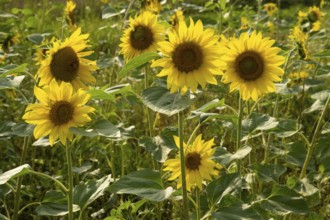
(193, 161)
(188, 57)
(141, 38)
(61, 112)
(249, 65)
(65, 64)
(313, 16)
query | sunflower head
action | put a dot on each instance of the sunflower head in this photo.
(176, 18)
(300, 38)
(191, 57)
(252, 65)
(198, 163)
(314, 14)
(10, 41)
(65, 62)
(270, 8)
(142, 35)
(59, 108)
(153, 6)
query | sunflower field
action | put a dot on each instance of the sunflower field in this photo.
(172, 109)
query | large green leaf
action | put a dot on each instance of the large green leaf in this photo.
(259, 122)
(161, 100)
(224, 157)
(16, 172)
(100, 128)
(236, 211)
(283, 201)
(55, 203)
(100, 94)
(268, 172)
(86, 193)
(154, 146)
(226, 184)
(144, 183)
(11, 82)
(285, 128)
(10, 69)
(136, 62)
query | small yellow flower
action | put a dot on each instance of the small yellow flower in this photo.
(176, 18)
(300, 38)
(69, 13)
(314, 14)
(59, 109)
(199, 165)
(270, 8)
(153, 6)
(244, 23)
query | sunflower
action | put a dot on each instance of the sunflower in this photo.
(198, 162)
(300, 38)
(176, 18)
(65, 62)
(314, 14)
(142, 35)
(10, 41)
(252, 65)
(297, 78)
(59, 108)
(69, 12)
(192, 57)
(41, 50)
(270, 8)
(153, 6)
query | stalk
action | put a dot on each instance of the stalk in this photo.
(312, 144)
(239, 129)
(19, 180)
(70, 181)
(183, 167)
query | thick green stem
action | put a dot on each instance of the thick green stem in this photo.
(198, 204)
(70, 181)
(149, 111)
(315, 136)
(183, 167)
(239, 130)
(19, 180)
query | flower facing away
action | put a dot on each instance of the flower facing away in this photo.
(65, 62)
(59, 108)
(300, 39)
(141, 36)
(153, 6)
(176, 18)
(270, 8)
(69, 13)
(198, 162)
(191, 57)
(41, 50)
(252, 65)
(314, 14)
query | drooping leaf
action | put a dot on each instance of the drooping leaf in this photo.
(136, 62)
(86, 193)
(224, 157)
(161, 100)
(283, 201)
(268, 172)
(206, 107)
(285, 128)
(158, 151)
(55, 203)
(100, 94)
(35, 38)
(144, 183)
(236, 211)
(100, 128)
(11, 82)
(226, 184)
(10, 69)
(23, 129)
(259, 122)
(13, 173)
